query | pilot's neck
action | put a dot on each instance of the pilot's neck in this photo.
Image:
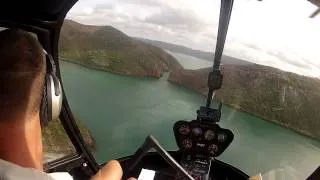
(21, 141)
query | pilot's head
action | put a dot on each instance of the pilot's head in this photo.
(22, 74)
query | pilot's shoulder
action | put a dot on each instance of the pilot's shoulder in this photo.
(10, 171)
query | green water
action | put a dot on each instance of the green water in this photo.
(190, 62)
(120, 111)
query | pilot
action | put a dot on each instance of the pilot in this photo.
(22, 74)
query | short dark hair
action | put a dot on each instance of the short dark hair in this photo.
(22, 73)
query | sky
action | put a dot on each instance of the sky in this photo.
(277, 33)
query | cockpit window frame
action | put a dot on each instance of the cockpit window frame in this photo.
(48, 32)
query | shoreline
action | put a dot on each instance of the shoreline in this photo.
(287, 126)
(106, 70)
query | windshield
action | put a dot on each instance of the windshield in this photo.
(133, 68)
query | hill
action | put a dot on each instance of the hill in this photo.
(106, 48)
(55, 139)
(196, 53)
(281, 97)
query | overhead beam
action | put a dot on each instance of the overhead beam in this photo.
(315, 13)
(315, 2)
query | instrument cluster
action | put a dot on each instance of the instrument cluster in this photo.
(202, 137)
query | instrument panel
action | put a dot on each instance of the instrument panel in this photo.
(202, 137)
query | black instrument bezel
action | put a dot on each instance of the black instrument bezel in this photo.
(204, 125)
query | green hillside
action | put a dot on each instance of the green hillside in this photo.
(106, 48)
(281, 97)
(56, 140)
(103, 48)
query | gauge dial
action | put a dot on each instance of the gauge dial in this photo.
(187, 143)
(184, 130)
(222, 137)
(197, 131)
(213, 148)
(209, 135)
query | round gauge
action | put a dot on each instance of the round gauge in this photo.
(197, 131)
(222, 137)
(184, 129)
(187, 143)
(209, 135)
(213, 148)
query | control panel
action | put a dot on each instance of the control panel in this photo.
(202, 137)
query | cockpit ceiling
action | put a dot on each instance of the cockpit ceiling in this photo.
(315, 2)
(52, 10)
(45, 10)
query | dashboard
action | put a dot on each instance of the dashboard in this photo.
(199, 142)
(202, 137)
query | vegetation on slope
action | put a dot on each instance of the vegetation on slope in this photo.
(281, 97)
(106, 48)
(103, 48)
(56, 140)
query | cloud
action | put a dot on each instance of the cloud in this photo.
(295, 61)
(154, 18)
(103, 7)
(253, 46)
(284, 40)
(151, 3)
(182, 19)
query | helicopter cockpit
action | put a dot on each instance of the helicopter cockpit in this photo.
(198, 141)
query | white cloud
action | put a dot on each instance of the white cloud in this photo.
(88, 10)
(272, 32)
